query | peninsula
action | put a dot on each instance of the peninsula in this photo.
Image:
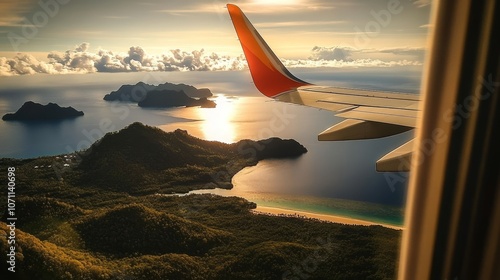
(141, 159)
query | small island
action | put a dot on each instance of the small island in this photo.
(162, 95)
(172, 98)
(31, 111)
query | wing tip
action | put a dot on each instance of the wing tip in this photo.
(269, 74)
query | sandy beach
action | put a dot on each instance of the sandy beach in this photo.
(336, 219)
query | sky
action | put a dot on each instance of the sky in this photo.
(86, 36)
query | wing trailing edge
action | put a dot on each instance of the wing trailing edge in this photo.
(398, 160)
(352, 129)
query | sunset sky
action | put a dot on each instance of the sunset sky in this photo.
(64, 36)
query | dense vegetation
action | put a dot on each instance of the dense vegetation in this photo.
(141, 159)
(138, 225)
(75, 226)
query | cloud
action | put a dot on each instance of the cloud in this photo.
(24, 64)
(273, 24)
(80, 59)
(351, 54)
(418, 53)
(344, 56)
(308, 63)
(332, 53)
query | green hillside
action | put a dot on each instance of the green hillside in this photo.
(141, 159)
(80, 218)
(141, 230)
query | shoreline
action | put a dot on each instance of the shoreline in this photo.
(264, 210)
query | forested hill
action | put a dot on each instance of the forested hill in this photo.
(137, 92)
(144, 159)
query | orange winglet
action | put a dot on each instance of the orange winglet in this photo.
(268, 73)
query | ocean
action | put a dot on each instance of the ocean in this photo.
(337, 178)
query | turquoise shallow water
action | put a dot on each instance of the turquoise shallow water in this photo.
(373, 212)
(377, 213)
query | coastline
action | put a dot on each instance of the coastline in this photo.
(264, 210)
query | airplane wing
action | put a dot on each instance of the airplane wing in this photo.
(368, 114)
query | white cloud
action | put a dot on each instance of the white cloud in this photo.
(332, 53)
(417, 53)
(344, 56)
(296, 23)
(308, 63)
(81, 59)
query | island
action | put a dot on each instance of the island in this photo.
(171, 98)
(140, 91)
(112, 212)
(35, 111)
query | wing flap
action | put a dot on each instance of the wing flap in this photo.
(362, 92)
(397, 160)
(390, 108)
(312, 100)
(360, 97)
(389, 116)
(356, 129)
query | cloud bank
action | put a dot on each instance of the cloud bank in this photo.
(332, 53)
(82, 60)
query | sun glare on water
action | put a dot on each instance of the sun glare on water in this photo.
(217, 121)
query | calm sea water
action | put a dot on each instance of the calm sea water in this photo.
(332, 178)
